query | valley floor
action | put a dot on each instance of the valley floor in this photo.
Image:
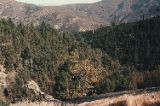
(141, 97)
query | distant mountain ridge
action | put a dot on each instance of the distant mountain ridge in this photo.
(80, 17)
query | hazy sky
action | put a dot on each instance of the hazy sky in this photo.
(57, 2)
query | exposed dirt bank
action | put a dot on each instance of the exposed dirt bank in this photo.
(144, 99)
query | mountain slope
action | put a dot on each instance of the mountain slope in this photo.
(73, 65)
(80, 16)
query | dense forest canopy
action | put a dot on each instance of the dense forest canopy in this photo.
(70, 65)
(133, 44)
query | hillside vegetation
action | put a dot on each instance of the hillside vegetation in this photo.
(71, 65)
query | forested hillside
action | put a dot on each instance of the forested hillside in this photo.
(71, 65)
(133, 44)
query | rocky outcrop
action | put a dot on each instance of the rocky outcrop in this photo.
(5, 80)
(3, 77)
(34, 86)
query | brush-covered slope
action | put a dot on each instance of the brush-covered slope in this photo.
(80, 17)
